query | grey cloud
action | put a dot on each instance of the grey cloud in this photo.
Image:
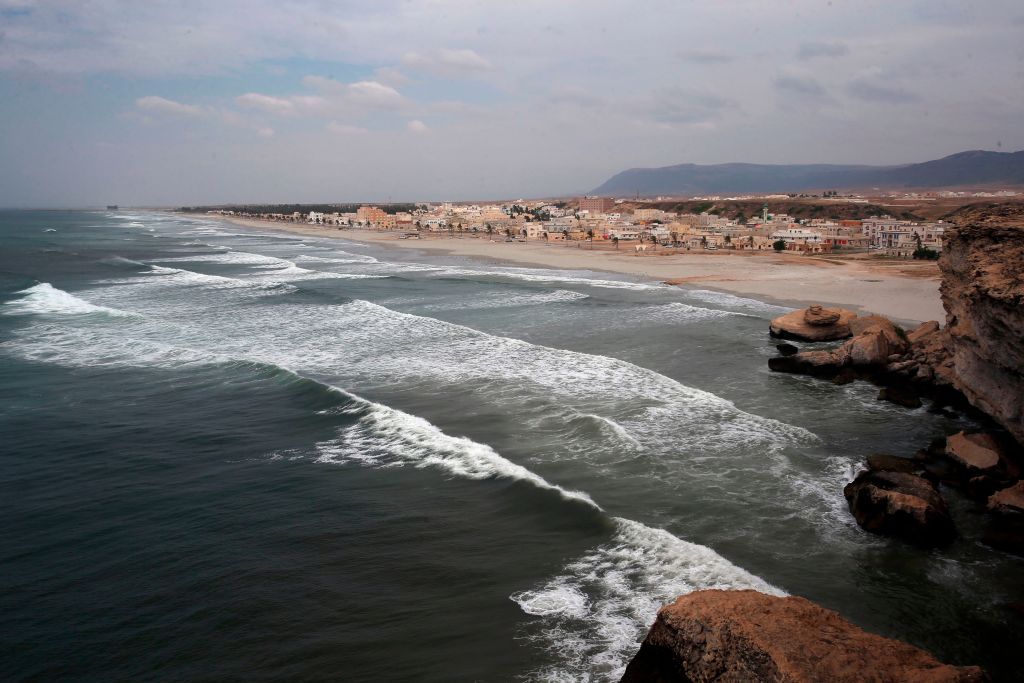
(704, 57)
(803, 87)
(813, 50)
(685, 107)
(873, 92)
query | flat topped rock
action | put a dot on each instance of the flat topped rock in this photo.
(900, 504)
(813, 324)
(716, 635)
(1010, 499)
(973, 451)
(820, 317)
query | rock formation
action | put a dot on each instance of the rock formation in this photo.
(978, 358)
(983, 294)
(900, 504)
(716, 635)
(813, 324)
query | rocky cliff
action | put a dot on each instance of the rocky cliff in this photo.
(718, 635)
(983, 292)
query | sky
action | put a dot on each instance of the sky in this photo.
(200, 102)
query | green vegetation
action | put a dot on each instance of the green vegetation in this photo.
(779, 245)
(925, 254)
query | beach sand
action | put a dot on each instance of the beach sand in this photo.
(905, 291)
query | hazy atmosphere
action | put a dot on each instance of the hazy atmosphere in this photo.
(190, 102)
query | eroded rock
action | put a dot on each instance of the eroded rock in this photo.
(900, 504)
(805, 325)
(716, 635)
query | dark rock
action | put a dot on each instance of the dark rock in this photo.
(844, 376)
(1006, 533)
(734, 636)
(900, 504)
(787, 349)
(880, 462)
(899, 396)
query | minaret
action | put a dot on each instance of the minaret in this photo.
(764, 212)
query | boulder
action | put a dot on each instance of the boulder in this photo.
(1008, 500)
(716, 635)
(900, 396)
(974, 451)
(803, 325)
(821, 363)
(900, 504)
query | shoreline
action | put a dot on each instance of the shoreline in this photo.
(785, 279)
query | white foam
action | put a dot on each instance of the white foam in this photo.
(595, 613)
(504, 300)
(241, 258)
(723, 299)
(339, 257)
(537, 275)
(44, 298)
(385, 437)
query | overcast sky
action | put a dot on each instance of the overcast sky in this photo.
(208, 102)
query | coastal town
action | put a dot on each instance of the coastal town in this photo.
(608, 223)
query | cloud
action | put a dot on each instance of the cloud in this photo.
(813, 50)
(447, 62)
(375, 95)
(345, 129)
(882, 94)
(706, 57)
(801, 87)
(417, 126)
(679, 106)
(273, 105)
(265, 132)
(161, 105)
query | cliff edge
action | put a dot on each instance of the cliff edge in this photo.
(982, 290)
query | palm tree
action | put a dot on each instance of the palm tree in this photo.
(615, 241)
(704, 242)
(490, 229)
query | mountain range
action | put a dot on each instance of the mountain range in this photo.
(965, 169)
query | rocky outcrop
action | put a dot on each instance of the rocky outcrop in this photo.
(716, 635)
(977, 452)
(983, 293)
(813, 324)
(900, 504)
(876, 342)
(1009, 500)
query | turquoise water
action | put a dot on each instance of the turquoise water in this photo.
(239, 454)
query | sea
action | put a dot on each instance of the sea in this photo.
(236, 454)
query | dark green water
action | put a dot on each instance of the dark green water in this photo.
(250, 456)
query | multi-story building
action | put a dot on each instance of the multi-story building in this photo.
(596, 205)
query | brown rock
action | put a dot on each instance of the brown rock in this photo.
(923, 330)
(1010, 499)
(900, 504)
(794, 325)
(880, 462)
(973, 451)
(734, 636)
(821, 317)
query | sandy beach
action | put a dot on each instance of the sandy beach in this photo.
(905, 291)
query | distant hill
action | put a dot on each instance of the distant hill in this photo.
(972, 168)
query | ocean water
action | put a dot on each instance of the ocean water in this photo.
(232, 454)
